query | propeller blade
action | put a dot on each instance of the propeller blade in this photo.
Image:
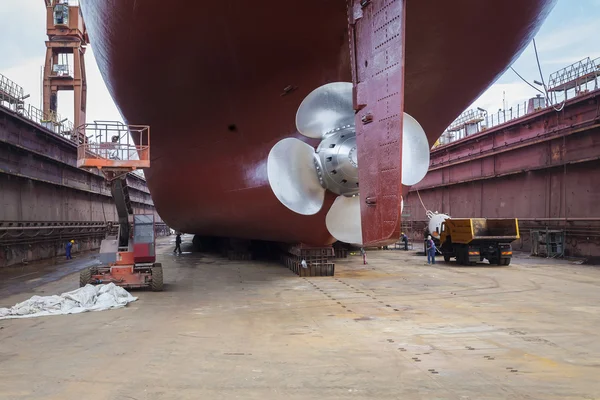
(293, 178)
(326, 108)
(343, 220)
(415, 151)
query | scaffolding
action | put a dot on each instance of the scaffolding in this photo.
(406, 225)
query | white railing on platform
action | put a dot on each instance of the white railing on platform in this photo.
(577, 79)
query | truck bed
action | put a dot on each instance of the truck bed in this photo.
(470, 230)
(495, 228)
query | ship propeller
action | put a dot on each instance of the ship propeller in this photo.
(291, 172)
(325, 109)
(299, 175)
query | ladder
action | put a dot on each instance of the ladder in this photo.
(406, 225)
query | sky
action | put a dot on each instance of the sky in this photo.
(569, 34)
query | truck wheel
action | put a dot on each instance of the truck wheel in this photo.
(446, 258)
(157, 278)
(84, 277)
(506, 261)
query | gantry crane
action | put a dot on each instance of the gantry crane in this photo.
(67, 36)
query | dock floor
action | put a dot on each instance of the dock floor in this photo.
(393, 329)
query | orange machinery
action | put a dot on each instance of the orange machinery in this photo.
(64, 68)
(128, 258)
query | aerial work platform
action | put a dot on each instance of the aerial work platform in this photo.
(113, 147)
(129, 258)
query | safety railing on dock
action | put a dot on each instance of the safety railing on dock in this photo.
(466, 125)
(567, 83)
(12, 97)
(575, 75)
(10, 91)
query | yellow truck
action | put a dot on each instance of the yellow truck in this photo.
(474, 239)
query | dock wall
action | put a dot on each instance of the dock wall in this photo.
(543, 169)
(45, 200)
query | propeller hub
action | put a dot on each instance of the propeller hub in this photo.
(300, 176)
(336, 161)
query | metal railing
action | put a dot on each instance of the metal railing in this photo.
(10, 90)
(578, 78)
(567, 83)
(467, 117)
(488, 121)
(12, 97)
(112, 146)
(574, 74)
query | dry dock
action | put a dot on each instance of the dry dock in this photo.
(393, 329)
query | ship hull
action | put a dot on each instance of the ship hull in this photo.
(210, 80)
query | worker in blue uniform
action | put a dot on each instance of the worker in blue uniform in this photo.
(68, 249)
(430, 250)
(404, 240)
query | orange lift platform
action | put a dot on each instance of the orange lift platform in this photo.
(129, 257)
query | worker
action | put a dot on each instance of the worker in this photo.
(404, 239)
(177, 243)
(364, 255)
(430, 250)
(68, 249)
(114, 148)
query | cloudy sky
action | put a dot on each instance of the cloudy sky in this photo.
(569, 34)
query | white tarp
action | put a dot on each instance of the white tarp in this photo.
(87, 298)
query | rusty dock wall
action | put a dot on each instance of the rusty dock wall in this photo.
(543, 168)
(46, 200)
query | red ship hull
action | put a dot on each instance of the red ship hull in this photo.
(209, 79)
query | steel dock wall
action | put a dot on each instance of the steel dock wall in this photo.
(46, 200)
(543, 168)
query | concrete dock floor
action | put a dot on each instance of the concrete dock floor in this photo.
(393, 329)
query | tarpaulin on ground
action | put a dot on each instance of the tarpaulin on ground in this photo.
(87, 298)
